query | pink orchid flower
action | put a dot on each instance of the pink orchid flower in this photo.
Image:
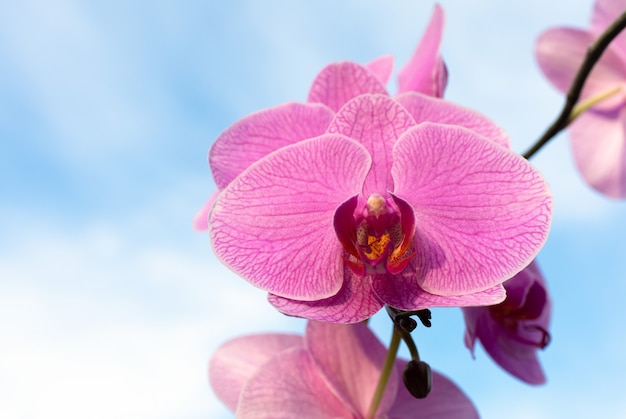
(334, 86)
(356, 199)
(385, 207)
(597, 136)
(331, 372)
(511, 332)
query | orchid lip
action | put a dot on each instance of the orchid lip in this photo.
(541, 336)
(377, 236)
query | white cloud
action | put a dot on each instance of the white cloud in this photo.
(94, 327)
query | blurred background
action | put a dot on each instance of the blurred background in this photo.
(111, 305)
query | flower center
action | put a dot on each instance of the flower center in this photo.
(378, 236)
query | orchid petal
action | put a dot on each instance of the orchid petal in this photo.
(518, 287)
(560, 52)
(504, 346)
(260, 133)
(429, 109)
(544, 318)
(445, 401)
(382, 68)
(351, 358)
(201, 219)
(354, 303)
(404, 293)
(375, 121)
(513, 331)
(482, 212)
(237, 360)
(345, 227)
(426, 72)
(472, 316)
(598, 141)
(604, 13)
(273, 224)
(289, 386)
(338, 83)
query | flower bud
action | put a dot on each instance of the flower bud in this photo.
(417, 378)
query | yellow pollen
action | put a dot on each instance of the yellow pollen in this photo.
(376, 246)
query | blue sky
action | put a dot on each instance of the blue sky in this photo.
(110, 305)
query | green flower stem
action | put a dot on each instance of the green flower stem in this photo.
(410, 344)
(593, 55)
(388, 366)
(592, 101)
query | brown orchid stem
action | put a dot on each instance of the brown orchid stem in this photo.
(385, 373)
(594, 52)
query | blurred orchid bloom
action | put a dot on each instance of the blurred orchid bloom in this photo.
(331, 372)
(511, 332)
(597, 136)
(424, 73)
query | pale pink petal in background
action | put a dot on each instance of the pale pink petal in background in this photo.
(234, 362)
(426, 72)
(338, 83)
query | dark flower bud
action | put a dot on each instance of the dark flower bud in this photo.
(417, 378)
